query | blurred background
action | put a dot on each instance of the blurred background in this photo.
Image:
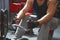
(8, 11)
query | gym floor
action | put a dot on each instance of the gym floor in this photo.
(56, 35)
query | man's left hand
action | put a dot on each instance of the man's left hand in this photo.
(32, 24)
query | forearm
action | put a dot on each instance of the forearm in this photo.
(49, 13)
(25, 9)
(45, 19)
(21, 14)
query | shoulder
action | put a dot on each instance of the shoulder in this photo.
(52, 1)
(30, 0)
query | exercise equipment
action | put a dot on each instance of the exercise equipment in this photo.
(4, 17)
(4, 23)
(32, 24)
(24, 39)
(25, 29)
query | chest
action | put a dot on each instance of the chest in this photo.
(40, 2)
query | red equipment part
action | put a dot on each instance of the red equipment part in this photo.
(31, 10)
(15, 7)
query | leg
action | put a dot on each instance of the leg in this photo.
(53, 25)
(50, 34)
(44, 31)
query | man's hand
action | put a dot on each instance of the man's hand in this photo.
(32, 24)
(15, 21)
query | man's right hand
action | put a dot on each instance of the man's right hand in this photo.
(15, 21)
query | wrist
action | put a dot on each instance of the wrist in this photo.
(39, 22)
(36, 23)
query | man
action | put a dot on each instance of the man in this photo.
(45, 10)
